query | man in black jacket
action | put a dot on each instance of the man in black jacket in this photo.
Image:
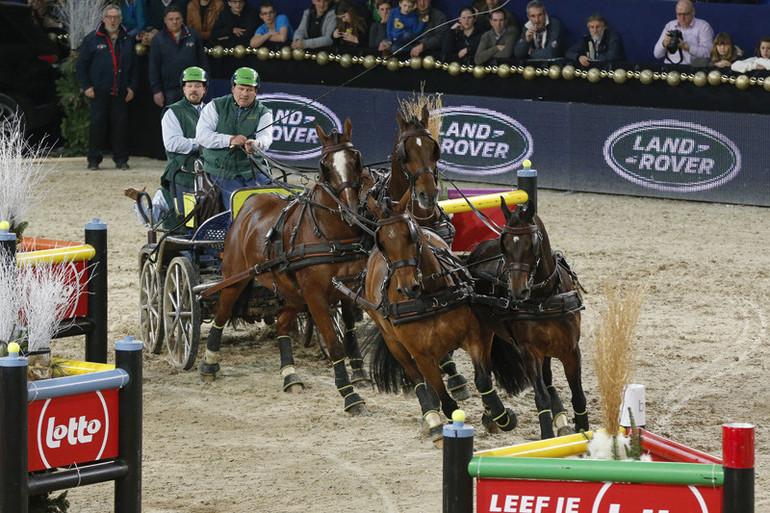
(601, 45)
(431, 37)
(235, 25)
(173, 50)
(106, 70)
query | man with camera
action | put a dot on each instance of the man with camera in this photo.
(685, 37)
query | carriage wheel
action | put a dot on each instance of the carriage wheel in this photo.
(305, 327)
(151, 306)
(181, 313)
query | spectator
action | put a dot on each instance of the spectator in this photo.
(723, 53)
(134, 17)
(178, 127)
(484, 8)
(404, 25)
(760, 62)
(106, 70)
(497, 43)
(542, 37)
(156, 11)
(274, 30)
(235, 25)
(171, 51)
(351, 30)
(237, 119)
(433, 34)
(378, 32)
(43, 16)
(460, 43)
(685, 37)
(601, 44)
(202, 14)
(316, 28)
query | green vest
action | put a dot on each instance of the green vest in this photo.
(187, 115)
(216, 162)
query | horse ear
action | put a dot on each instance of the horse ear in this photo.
(321, 135)
(400, 120)
(400, 208)
(425, 116)
(374, 206)
(527, 213)
(348, 130)
(504, 208)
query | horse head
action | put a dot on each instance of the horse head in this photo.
(415, 157)
(399, 240)
(341, 168)
(520, 244)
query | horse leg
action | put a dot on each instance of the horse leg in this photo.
(353, 403)
(429, 368)
(456, 382)
(209, 366)
(496, 416)
(360, 375)
(292, 383)
(573, 373)
(560, 422)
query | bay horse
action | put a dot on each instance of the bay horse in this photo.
(414, 167)
(422, 313)
(542, 316)
(295, 248)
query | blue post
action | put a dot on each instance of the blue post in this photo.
(14, 492)
(128, 489)
(7, 238)
(526, 180)
(458, 451)
(96, 341)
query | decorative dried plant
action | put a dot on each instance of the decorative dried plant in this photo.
(614, 351)
(9, 313)
(412, 107)
(79, 18)
(22, 170)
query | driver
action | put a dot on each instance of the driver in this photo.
(178, 129)
(236, 119)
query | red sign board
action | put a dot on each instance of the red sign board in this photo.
(524, 496)
(73, 429)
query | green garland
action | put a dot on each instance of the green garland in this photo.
(74, 126)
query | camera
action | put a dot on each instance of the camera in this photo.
(673, 43)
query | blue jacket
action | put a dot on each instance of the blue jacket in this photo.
(133, 17)
(107, 67)
(168, 58)
(400, 24)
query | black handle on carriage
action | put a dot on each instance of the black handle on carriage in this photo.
(143, 196)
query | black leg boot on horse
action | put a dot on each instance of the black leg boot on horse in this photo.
(455, 382)
(360, 376)
(292, 383)
(430, 405)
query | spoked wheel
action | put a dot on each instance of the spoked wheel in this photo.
(151, 306)
(181, 313)
(305, 327)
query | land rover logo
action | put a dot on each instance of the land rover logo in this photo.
(294, 135)
(672, 155)
(476, 141)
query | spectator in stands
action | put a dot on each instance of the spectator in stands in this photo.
(542, 36)
(404, 25)
(275, 29)
(461, 42)
(496, 44)
(378, 31)
(684, 38)
(134, 17)
(106, 70)
(171, 51)
(234, 26)
(601, 44)
(723, 53)
(43, 16)
(760, 62)
(484, 8)
(202, 14)
(156, 11)
(351, 30)
(433, 34)
(236, 119)
(316, 28)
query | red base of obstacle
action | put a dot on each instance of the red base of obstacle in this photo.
(469, 228)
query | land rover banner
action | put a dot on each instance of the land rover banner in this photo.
(694, 155)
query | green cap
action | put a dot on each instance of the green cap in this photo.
(246, 76)
(194, 74)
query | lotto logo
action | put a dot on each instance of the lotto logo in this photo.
(73, 429)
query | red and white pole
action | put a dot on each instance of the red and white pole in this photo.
(738, 464)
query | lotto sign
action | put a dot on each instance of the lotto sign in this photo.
(522, 496)
(73, 429)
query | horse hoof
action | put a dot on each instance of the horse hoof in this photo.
(489, 424)
(461, 394)
(458, 387)
(293, 384)
(358, 410)
(439, 444)
(294, 389)
(510, 421)
(208, 371)
(436, 435)
(565, 430)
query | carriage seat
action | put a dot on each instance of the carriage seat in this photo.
(238, 197)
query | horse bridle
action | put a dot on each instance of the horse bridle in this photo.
(402, 155)
(520, 266)
(325, 171)
(414, 236)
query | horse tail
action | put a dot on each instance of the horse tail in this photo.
(387, 373)
(508, 366)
